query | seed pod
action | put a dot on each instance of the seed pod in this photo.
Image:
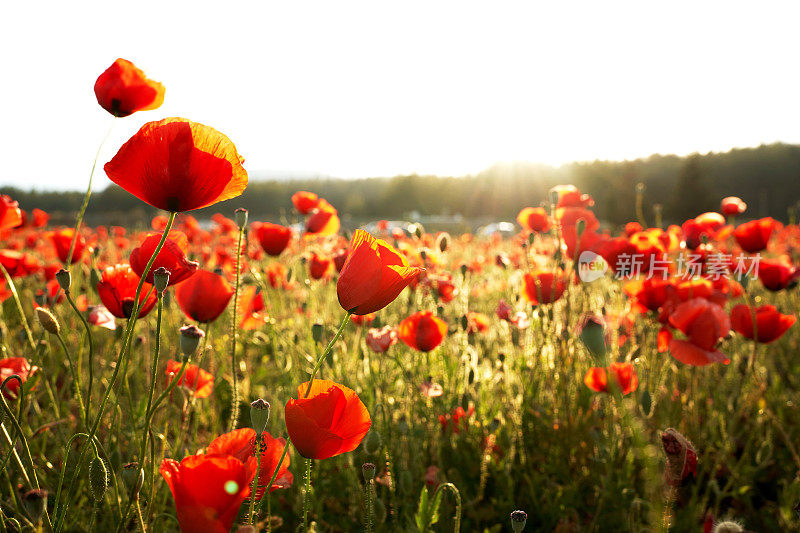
(372, 442)
(98, 478)
(368, 471)
(47, 320)
(35, 502)
(241, 217)
(518, 520)
(64, 279)
(190, 339)
(133, 476)
(259, 415)
(681, 457)
(160, 279)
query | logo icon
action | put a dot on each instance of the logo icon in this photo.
(591, 266)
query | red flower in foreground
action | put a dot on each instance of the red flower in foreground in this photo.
(681, 457)
(172, 256)
(422, 331)
(10, 213)
(178, 165)
(123, 90)
(770, 324)
(208, 490)
(204, 296)
(624, 376)
(754, 236)
(332, 420)
(544, 287)
(704, 323)
(373, 275)
(777, 275)
(241, 444)
(117, 290)
(305, 201)
(15, 365)
(273, 238)
(732, 206)
(62, 240)
(534, 219)
(194, 378)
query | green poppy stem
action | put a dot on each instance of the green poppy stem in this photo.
(235, 337)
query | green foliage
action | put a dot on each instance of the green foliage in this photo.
(427, 510)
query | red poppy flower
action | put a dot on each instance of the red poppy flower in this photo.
(770, 324)
(273, 237)
(39, 218)
(204, 296)
(241, 444)
(18, 264)
(19, 366)
(422, 331)
(776, 274)
(194, 378)
(10, 213)
(305, 201)
(568, 218)
(319, 266)
(632, 228)
(704, 323)
(117, 289)
(534, 219)
(362, 320)
(477, 322)
(102, 317)
(618, 253)
(250, 307)
(732, 206)
(373, 275)
(172, 256)
(624, 375)
(123, 90)
(62, 240)
(324, 221)
(380, 340)
(570, 196)
(706, 224)
(681, 457)
(208, 490)
(445, 289)
(754, 236)
(330, 421)
(178, 165)
(544, 287)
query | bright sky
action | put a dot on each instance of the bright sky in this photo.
(380, 88)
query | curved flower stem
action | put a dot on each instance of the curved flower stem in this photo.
(22, 318)
(91, 349)
(75, 380)
(120, 357)
(322, 357)
(307, 495)
(235, 337)
(86, 199)
(457, 496)
(254, 488)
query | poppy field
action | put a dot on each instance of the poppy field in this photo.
(299, 375)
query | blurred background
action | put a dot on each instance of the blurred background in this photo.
(456, 114)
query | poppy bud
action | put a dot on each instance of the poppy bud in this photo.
(580, 227)
(47, 320)
(368, 470)
(531, 238)
(241, 217)
(423, 254)
(417, 230)
(98, 478)
(34, 502)
(591, 331)
(372, 442)
(443, 241)
(464, 271)
(316, 332)
(518, 520)
(190, 339)
(40, 298)
(64, 279)
(681, 456)
(553, 196)
(727, 527)
(259, 415)
(133, 475)
(161, 279)
(464, 322)
(94, 279)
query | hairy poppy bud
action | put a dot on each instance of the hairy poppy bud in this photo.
(316, 332)
(241, 217)
(591, 331)
(727, 527)
(94, 279)
(133, 475)
(190, 339)
(47, 320)
(259, 415)
(580, 227)
(681, 457)
(372, 442)
(518, 520)
(98, 478)
(64, 279)
(160, 279)
(368, 470)
(35, 502)
(443, 241)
